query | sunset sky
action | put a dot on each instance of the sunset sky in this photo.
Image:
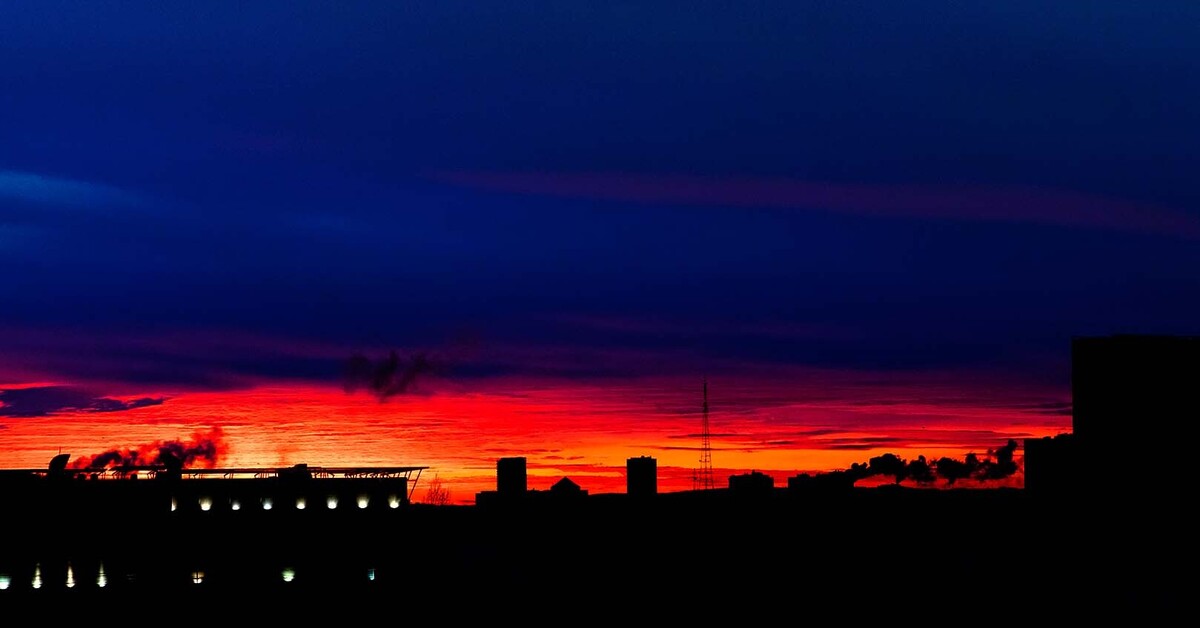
(874, 227)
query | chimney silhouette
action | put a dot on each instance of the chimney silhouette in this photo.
(173, 464)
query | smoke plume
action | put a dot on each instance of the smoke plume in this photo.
(997, 465)
(388, 377)
(203, 450)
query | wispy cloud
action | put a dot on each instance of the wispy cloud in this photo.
(662, 326)
(36, 401)
(27, 186)
(177, 359)
(1016, 204)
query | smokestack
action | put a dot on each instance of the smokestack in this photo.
(173, 463)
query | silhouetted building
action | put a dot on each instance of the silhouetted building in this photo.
(167, 489)
(224, 527)
(510, 476)
(753, 483)
(566, 488)
(641, 476)
(1131, 395)
(58, 466)
(1051, 464)
(511, 483)
(833, 481)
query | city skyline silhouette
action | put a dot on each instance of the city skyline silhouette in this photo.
(869, 304)
(515, 539)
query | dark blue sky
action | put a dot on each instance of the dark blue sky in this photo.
(834, 184)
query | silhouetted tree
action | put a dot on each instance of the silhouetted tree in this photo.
(953, 470)
(437, 494)
(889, 464)
(858, 470)
(1003, 465)
(920, 471)
(998, 464)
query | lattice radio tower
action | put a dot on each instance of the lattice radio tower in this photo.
(704, 475)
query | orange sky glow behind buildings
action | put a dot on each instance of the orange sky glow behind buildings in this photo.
(804, 423)
(874, 228)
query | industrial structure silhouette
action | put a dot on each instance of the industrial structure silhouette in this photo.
(300, 531)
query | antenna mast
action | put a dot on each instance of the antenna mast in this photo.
(704, 479)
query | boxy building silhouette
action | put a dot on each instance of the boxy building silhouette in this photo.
(641, 476)
(1131, 394)
(510, 476)
(754, 483)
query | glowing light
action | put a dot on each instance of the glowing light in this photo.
(301, 503)
(5, 580)
(289, 574)
(331, 502)
(267, 503)
(363, 500)
(371, 574)
(235, 505)
(205, 503)
(37, 576)
(197, 577)
(101, 579)
(70, 577)
(174, 504)
(393, 501)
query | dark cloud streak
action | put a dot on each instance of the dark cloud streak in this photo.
(40, 401)
(388, 377)
(973, 203)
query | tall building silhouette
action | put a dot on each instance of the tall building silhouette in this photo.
(1131, 396)
(1052, 464)
(641, 476)
(510, 476)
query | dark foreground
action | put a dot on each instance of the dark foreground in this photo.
(887, 551)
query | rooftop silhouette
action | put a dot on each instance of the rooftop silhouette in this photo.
(291, 531)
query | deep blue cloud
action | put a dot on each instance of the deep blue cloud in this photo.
(46, 400)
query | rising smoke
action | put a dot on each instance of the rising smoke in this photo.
(388, 377)
(203, 450)
(997, 465)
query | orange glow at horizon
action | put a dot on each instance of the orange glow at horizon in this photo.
(585, 431)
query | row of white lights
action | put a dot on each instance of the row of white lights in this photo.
(288, 574)
(206, 503)
(6, 580)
